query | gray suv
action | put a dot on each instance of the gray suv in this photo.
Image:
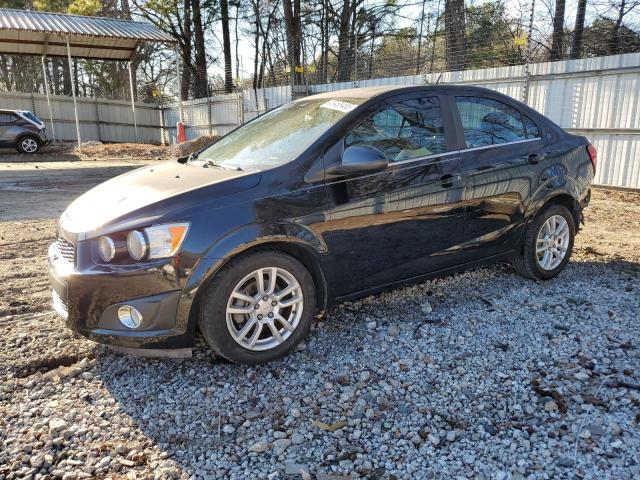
(22, 130)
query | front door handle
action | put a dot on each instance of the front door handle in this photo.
(533, 159)
(448, 180)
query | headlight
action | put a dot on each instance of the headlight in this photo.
(137, 245)
(106, 248)
(157, 241)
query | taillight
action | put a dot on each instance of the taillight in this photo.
(593, 155)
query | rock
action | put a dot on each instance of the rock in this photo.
(121, 449)
(372, 325)
(394, 330)
(259, 447)
(434, 439)
(280, 445)
(551, 406)
(581, 376)
(57, 425)
(426, 308)
(451, 436)
(297, 439)
(228, 429)
(615, 429)
(564, 462)
(585, 434)
(36, 461)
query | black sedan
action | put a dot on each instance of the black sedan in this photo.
(322, 200)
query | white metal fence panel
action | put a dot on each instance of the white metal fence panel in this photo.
(104, 120)
(597, 97)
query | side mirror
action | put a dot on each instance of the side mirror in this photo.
(359, 159)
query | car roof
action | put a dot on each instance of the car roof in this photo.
(371, 92)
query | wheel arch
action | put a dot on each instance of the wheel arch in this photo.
(209, 267)
(563, 198)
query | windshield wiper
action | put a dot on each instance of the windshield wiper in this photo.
(208, 163)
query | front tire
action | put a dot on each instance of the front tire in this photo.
(258, 307)
(548, 243)
(28, 144)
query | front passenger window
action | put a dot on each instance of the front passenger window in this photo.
(489, 122)
(403, 130)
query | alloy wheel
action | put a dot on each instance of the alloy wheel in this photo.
(29, 145)
(552, 242)
(264, 308)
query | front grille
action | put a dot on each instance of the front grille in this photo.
(66, 249)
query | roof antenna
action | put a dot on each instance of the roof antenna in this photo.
(439, 77)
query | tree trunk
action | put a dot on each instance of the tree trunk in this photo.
(66, 77)
(557, 48)
(200, 84)
(256, 41)
(186, 53)
(578, 33)
(454, 24)
(293, 25)
(344, 68)
(226, 46)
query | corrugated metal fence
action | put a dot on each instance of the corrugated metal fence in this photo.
(597, 97)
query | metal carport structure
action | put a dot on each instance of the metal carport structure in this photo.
(44, 34)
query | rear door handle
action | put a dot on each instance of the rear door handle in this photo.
(448, 180)
(533, 158)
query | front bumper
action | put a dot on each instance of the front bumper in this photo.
(87, 296)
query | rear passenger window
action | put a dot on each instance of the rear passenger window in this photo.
(489, 122)
(403, 130)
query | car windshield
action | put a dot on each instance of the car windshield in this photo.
(278, 136)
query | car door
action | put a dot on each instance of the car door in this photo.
(501, 150)
(406, 220)
(7, 124)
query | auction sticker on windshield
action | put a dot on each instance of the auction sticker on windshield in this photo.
(344, 107)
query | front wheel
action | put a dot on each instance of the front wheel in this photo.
(258, 307)
(547, 246)
(28, 144)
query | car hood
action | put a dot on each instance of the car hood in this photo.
(143, 187)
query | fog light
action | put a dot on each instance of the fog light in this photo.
(106, 248)
(129, 316)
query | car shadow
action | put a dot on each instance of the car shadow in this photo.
(204, 408)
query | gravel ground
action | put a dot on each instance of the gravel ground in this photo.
(483, 374)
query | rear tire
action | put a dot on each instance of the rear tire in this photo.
(28, 144)
(252, 321)
(547, 245)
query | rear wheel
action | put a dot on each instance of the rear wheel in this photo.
(258, 307)
(547, 246)
(28, 144)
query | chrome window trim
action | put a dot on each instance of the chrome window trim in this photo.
(452, 152)
(499, 144)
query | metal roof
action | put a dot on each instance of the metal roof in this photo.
(25, 32)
